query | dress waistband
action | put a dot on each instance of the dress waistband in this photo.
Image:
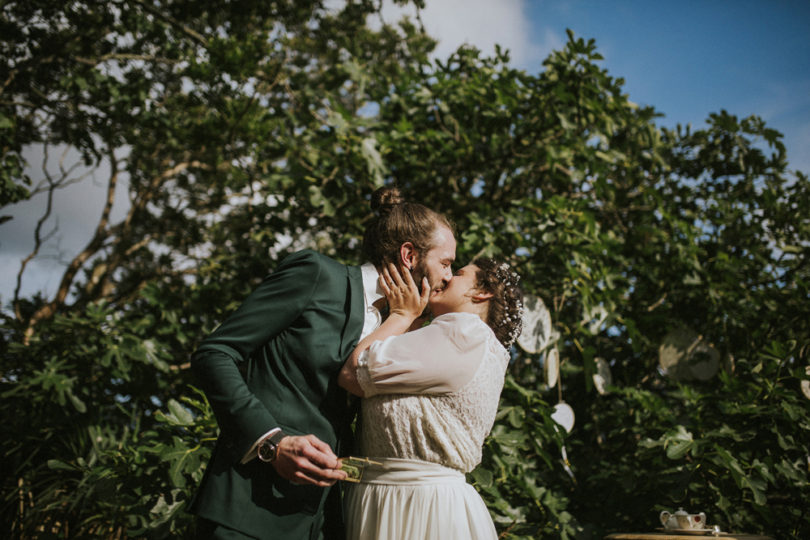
(409, 472)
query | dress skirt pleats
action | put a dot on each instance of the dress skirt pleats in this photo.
(408, 499)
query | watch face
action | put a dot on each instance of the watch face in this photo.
(267, 451)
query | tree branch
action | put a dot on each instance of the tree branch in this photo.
(75, 265)
(8, 80)
(63, 181)
(199, 38)
(124, 56)
(38, 238)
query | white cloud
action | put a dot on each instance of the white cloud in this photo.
(797, 141)
(482, 23)
(784, 105)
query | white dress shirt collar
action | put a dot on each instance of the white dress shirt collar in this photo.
(371, 293)
(371, 284)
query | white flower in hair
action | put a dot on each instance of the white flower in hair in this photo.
(513, 315)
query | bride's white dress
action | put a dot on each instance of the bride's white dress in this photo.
(432, 395)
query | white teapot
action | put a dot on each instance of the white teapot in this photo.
(683, 520)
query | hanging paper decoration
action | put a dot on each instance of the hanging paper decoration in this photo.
(564, 415)
(536, 325)
(684, 355)
(602, 378)
(551, 367)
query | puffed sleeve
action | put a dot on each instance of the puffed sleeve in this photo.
(437, 359)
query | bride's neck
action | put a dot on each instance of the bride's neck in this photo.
(477, 308)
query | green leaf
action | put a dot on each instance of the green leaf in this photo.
(58, 465)
(78, 404)
(178, 415)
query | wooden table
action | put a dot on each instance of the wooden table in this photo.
(675, 536)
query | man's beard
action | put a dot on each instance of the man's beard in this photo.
(420, 271)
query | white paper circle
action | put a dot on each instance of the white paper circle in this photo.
(806, 384)
(536, 332)
(551, 367)
(564, 415)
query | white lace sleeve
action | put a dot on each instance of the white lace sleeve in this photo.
(439, 358)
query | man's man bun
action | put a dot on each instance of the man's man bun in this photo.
(385, 198)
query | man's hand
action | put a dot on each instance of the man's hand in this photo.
(307, 460)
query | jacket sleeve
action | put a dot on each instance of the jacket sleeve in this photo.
(266, 312)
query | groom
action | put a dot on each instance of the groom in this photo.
(269, 371)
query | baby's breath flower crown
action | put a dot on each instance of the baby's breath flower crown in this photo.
(505, 315)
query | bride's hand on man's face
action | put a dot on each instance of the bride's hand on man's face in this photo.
(402, 293)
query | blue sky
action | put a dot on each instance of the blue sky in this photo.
(690, 58)
(687, 59)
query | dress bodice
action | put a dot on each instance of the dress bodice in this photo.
(454, 370)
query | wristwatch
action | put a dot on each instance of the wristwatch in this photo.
(268, 448)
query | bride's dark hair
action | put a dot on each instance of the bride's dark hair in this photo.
(505, 313)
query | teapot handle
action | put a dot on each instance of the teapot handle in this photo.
(664, 517)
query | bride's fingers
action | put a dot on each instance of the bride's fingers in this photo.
(391, 271)
(385, 279)
(408, 280)
(394, 281)
(425, 296)
(397, 275)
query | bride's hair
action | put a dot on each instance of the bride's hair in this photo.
(397, 221)
(505, 313)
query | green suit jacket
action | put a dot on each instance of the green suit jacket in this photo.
(274, 363)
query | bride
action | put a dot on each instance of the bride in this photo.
(430, 398)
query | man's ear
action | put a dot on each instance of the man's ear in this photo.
(407, 255)
(481, 296)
